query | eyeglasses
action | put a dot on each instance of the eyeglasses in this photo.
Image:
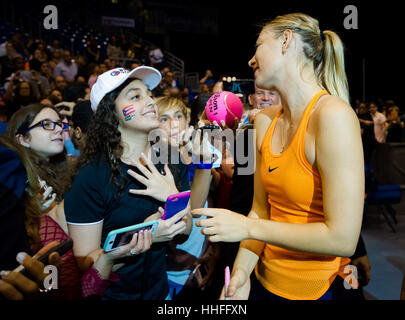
(49, 125)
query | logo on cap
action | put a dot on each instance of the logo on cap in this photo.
(115, 73)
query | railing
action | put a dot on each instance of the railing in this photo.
(176, 65)
(192, 81)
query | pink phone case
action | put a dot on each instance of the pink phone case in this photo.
(175, 203)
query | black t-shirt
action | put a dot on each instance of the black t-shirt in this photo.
(241, 196)
(394, 132)
(94, 198)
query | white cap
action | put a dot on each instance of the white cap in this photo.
(112, 79)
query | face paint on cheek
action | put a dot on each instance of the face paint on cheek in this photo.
(128, 112)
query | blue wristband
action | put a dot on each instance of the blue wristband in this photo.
(203, 165)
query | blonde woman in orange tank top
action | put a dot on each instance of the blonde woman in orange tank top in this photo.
(309, 181)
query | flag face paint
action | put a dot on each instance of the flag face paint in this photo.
(129, 112)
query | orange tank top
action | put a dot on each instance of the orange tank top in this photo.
(294, 192)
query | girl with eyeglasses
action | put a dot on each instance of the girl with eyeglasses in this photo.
(39, 129)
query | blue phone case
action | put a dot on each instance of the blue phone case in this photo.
(176, 203)
(131, 230)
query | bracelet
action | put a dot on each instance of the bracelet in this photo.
(203, 165)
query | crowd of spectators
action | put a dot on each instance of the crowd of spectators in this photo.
(36, 70)
(381, 121)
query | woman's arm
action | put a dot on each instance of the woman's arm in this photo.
(250, 250)
(86, 244)
(367, 122)
(200, 188)
(260, 206)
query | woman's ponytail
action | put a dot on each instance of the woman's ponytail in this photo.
(331, 72)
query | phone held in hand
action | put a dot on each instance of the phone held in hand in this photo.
(176, 203)
(121, 237)
(61, 248)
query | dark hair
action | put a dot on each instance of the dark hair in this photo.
(197, 107)
(55, 172)
(104, 138)
(374, 103)
(82, 114)
(24, 100)
(54, 99)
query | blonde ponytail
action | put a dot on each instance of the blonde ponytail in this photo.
(332, 73)
(324, 50)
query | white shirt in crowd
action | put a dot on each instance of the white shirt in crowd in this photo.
(379, 120)
(69, 72)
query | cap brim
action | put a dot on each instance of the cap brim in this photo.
(151, 77)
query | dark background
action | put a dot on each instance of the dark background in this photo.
(378, 42)
(221, 34)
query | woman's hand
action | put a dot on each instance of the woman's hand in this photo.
(239, 287)
(65, 108)
(140, 242)
(204, 121)
(222, 225)
(168, 229)
(199, 148)
(252, 114)
(48, 198)
(156, 216)
(158, 186)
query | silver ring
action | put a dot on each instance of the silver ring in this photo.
(132, 252)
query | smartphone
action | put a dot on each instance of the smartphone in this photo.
(61, 248)
(176, 203)
(209, 127)
(120, 237)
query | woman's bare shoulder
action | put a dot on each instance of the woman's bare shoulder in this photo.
(334, 109)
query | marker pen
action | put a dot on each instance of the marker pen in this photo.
(227, 281)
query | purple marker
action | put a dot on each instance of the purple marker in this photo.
(227, 281)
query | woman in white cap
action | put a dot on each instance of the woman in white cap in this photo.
(105, 196)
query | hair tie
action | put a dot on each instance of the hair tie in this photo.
(322, 36)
